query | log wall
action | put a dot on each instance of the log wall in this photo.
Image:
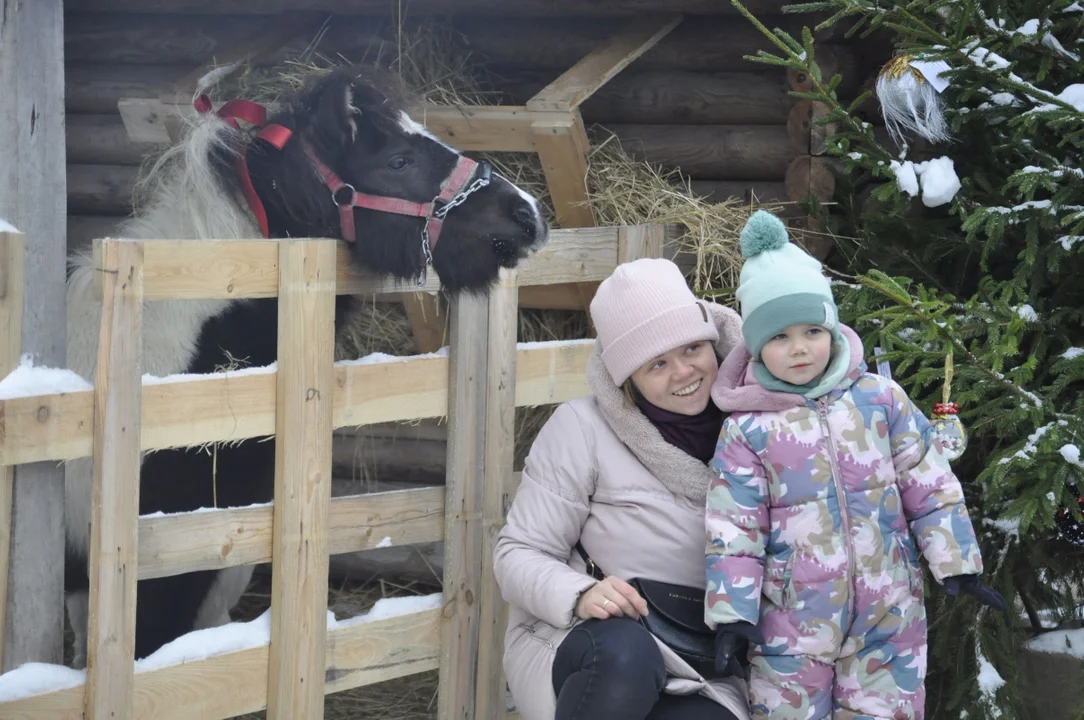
(691, 101)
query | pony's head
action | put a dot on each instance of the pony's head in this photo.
(354, 156)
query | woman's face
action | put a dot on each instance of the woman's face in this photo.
(680, 380)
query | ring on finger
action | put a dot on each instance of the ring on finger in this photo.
(605, 602)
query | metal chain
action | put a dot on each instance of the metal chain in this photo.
(461, 197)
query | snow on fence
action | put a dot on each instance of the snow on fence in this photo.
(288, 659)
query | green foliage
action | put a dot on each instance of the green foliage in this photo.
(992, 277)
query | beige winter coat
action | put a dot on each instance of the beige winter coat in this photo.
(601, 473)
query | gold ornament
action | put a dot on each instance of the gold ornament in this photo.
(909, 92)
(946, 423)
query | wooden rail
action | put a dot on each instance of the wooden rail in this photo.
(477, 385)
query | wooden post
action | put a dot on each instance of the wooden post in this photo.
(114, 519)
(12, 261)
(303, 427)
(462, 507)
(640, 241)
(500, 440)
(33, 198)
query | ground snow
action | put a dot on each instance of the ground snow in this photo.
(36, 678)
(1067, 642)
(28, 380)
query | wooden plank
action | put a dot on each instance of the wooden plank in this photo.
(520, 8)
(235, 683)
(32, 198)
(188, 269)
(463, 504)
(229, 407)
(479, 128)
(12, 262)
(102, 139)
(745, 190)
(426, 320)
(114, 520)
(303, 425)
(500, 440)
(580, 81)
(103, 189)
(640, 242)
(218, 539)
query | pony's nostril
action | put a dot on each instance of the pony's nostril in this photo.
(524, 214)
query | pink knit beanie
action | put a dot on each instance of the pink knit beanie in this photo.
(645, 309)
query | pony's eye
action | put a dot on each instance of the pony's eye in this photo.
(398, 162)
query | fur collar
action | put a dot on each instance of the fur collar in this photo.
(736, 388)
(680, 472)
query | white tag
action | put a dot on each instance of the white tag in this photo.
(829, 316)
(932, 72)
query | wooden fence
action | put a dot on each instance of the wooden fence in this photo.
(477, 385)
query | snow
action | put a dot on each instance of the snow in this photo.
(36, 678)
(1068, 241)
(906, 179)
(377, 358)
(552, 343)
(1072, 95)
(1073, 353)
(386, 542)
(1008, 526)
(1027, 312)
(1067, 642)
(5, 226)
(1029, 28)
(393, 607)
(160, 514)
(28, 380)
(1075, 7)
(989, 679)
(1071, 453)
(189, 377)
(939, 182)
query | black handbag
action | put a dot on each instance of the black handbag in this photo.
(675, 616)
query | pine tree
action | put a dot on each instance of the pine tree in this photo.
(974, 247)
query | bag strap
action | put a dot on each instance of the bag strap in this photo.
(592, 568)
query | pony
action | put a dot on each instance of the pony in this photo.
(340, 158)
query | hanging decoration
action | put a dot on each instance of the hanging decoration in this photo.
(909, 92)
(947, 426)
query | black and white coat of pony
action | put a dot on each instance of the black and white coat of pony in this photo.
(356, 124)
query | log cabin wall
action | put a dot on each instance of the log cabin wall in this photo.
(692, 101)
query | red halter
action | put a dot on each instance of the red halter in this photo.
(453, 191)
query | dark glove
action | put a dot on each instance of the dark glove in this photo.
(969, 584)
(730, 648)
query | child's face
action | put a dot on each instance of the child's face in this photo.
(680, 380)
(798, 354)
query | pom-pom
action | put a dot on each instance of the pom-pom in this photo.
(763, 231)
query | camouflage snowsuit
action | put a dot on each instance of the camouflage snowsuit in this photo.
(836, 586)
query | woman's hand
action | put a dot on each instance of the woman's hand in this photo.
(609, 598)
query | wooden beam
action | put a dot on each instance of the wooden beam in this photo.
(303, 425)
(114, 518)
(234, 406)
(463, 505)
(32, 198)
(12, 263)
(235, 683)
(234, 269)
(579, 82)
(500, 441)
(218, 539)
(427, 321)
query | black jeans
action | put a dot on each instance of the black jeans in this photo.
(613, 669)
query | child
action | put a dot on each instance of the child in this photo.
(828, 476)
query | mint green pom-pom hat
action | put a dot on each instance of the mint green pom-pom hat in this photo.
(780, 284)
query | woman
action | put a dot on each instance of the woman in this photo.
(624, 474)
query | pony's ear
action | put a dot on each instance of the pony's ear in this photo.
(335, 114)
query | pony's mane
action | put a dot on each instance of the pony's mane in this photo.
(185, 194)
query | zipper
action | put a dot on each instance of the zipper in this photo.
(532, 630)
(841, 496)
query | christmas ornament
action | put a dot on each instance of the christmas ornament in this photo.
(1067, 526)
(946, 423)
(909, 91)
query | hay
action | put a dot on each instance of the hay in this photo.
(413, 697)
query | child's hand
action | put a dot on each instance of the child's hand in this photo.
(726, 642)
(970, 584)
